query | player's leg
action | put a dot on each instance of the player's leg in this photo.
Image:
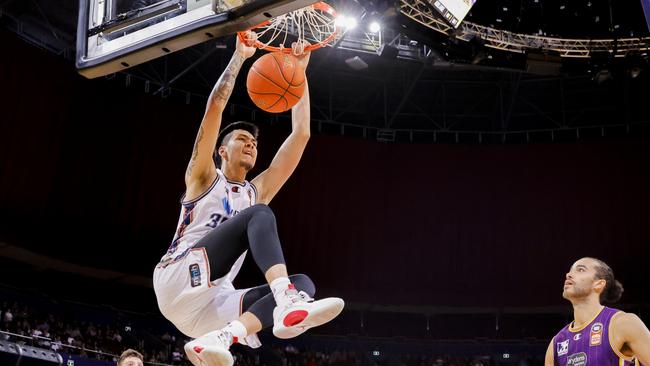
(291, 320)
(223, 246)
(257, 304)
(255, 229)
(259, 301)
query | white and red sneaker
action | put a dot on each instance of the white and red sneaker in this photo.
(211, 349)
(250, 340)
(296, 312)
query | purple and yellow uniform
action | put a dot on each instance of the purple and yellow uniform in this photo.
(589, 345)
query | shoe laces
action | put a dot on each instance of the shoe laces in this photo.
(305, 296)
(225, 337)
(295, 296)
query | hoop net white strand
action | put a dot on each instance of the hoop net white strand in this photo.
(310, 25)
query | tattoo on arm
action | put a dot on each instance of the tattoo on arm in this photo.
(226, 83)
(219, 95)
(195, 152)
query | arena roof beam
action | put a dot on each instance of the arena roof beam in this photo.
(421, 12)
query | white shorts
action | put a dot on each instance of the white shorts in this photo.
(188, 299)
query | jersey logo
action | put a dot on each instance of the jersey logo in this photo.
(226, 206)
(577, 337)
(596, 335)
(563, 348)
(195, 275)
(577, 359)
(597, 328)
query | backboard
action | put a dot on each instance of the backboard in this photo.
(454, 11)
(113, 35)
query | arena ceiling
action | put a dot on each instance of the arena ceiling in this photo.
(459, 92)
(563, 18)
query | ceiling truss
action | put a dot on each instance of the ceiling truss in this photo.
(421, 12)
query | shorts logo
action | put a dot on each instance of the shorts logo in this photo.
(596, 335)
(195, 275)
(577, 359)
(563, 348)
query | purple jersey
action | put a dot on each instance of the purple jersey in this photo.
(589, 345)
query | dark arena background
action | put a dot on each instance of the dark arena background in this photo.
(447, 187)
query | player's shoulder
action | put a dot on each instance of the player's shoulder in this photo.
(201, 182)
(622, 315)
(624, 322)
(550, 344)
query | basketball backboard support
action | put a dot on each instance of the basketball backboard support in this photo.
(113, 35)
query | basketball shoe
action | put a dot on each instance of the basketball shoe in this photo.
(296, 312)
(211, 349)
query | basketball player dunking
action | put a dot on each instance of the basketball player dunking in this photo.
(223, 216)
(598, 335)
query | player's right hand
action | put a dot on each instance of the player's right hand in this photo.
(243, 47)
(298, 50)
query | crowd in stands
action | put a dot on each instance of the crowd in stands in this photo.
(20, 323)
(71, 336)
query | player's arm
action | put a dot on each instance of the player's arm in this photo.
(286, 160)
(201, 170)
(634, 334)
(548, 360)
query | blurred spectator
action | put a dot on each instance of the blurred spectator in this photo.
(177, 357)
(8, 316)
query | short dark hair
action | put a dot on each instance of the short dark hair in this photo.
(613, 289)
(239, 125)
(129, 353)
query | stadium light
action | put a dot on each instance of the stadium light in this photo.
(345, 22)
(351, 23)
(374, 27)
(340, 21)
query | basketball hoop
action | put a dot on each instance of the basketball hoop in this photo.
(296, 32)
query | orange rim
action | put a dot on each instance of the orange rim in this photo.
(322, 6)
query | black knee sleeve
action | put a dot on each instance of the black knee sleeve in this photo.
(263, 237)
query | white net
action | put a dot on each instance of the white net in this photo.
(298, 31)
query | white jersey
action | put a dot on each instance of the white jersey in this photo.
(221, 201)
(181, 280)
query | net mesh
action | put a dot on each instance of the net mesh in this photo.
(298, 31)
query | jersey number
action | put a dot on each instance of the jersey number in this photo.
(215, 220)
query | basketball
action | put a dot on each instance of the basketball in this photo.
(276, 82)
